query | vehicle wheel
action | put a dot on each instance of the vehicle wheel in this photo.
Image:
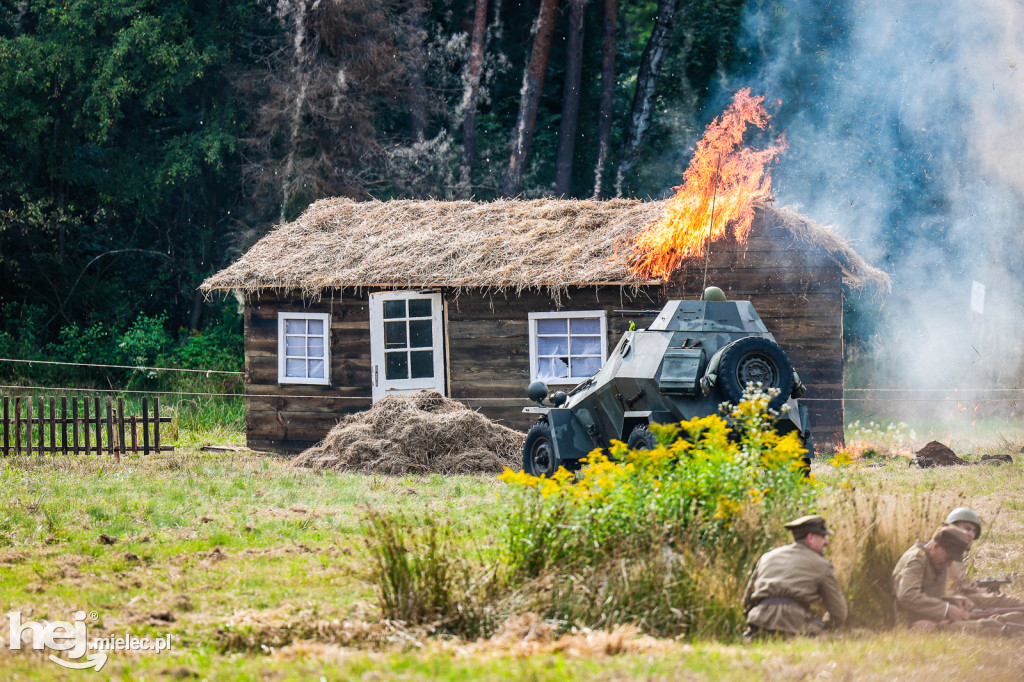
(539, 458)
(641, 438)
(753, 360)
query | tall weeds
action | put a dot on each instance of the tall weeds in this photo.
(669, 583)
(873, 528)
(421, 577)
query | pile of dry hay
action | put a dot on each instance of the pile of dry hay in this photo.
(421, 433)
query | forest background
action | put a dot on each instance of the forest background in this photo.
(144, 144)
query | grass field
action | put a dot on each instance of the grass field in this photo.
(259, 570)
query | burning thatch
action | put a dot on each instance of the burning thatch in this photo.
(504, 244)
(418, 434)
(722, 183)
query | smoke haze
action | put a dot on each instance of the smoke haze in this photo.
(904, 122)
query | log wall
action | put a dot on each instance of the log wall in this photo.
(291, 417)
(797, 293)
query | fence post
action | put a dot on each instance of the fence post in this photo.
(145, 426)
(156, 424)
(41, 423)
(64, 425)
(17, 425)
(110, 428)
(28, 417)
(53, 425)
(135, 442)
(74, 425)
(85, 423)
(120, 425)
(99, 425)
(7, 426)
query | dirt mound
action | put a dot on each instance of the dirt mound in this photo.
(421, 433)
(937, 454)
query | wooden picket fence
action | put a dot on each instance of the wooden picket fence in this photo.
(29, 428)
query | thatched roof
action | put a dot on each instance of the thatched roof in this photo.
(504, 244)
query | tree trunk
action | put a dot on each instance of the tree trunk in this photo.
(300, 12)
(570, 99)
(606, 114)
(418, 71)
(529, 100)
(469, 96)
(646, 81)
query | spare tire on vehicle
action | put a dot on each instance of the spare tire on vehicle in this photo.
(641, 438)
(754, 360)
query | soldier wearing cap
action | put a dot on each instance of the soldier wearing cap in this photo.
(788, 579)
(919, 580)
(958, 583)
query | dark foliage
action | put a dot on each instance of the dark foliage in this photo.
(145, 143)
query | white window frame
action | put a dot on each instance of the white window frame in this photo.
(381, 386)
(282, 318)
(602, 315)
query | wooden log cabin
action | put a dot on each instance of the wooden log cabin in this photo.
(356, 300)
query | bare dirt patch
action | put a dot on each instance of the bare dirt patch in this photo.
(418, 434)
(937, 454)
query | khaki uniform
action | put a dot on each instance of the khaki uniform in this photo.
(959, 584)
(782, 587)
(919, 587)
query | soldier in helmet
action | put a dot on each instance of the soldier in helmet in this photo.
(957, 581)
(919, 580)
(788, 579)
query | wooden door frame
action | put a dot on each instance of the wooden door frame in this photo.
(438, 314)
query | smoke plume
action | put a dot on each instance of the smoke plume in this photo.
(904, 127)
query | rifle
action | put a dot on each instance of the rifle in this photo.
(978, 614)
(993, 584)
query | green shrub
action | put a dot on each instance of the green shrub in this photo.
(198, 418)
(700, 479)
(144, 341)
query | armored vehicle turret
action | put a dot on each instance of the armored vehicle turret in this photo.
(694, 356)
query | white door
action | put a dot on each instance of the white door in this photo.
(406, 342)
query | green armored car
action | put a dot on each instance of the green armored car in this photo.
(694, 356)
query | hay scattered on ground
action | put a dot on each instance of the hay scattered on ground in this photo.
(422, 433)
(529, 635)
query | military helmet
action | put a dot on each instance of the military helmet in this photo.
(713, 294)
(964, 514)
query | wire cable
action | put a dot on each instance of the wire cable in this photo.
(137, 367)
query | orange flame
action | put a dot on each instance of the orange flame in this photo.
(719, 189)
